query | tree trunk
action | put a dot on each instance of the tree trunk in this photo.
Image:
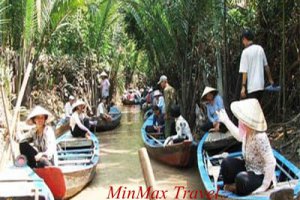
(225, 87)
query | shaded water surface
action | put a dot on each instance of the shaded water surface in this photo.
(120, 167)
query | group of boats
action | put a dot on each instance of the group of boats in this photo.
(209, 153)
(131, 97)
(74, 167)
(77, 158)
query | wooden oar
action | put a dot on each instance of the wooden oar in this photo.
(20, 97)
(7, 125)
(213, 171)
(157, 141)
(18, 105)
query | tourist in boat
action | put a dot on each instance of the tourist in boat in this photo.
(170, 99)
(158, 125)
(182, 128)
(102, 110)
(104, 85)
(255, 172)
(79, 123)
(148, 99)
(68, 106)
(38, 145)
(213, 102)
(159, 100)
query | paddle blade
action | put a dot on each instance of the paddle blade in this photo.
(54, 179)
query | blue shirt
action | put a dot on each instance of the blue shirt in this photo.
(211, 109)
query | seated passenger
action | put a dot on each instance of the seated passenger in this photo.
(68, 107)
(158, 125)
(255, 172)
(43, 149)
(79, 123)
(183, 131)
(214, 102)
(102, 110)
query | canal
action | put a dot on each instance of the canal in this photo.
(120, 167)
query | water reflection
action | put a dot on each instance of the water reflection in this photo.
(119, 163)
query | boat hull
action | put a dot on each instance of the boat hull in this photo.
(179, 155)
(77, 159)
(23, 183)
(76, 181)
(102, 125)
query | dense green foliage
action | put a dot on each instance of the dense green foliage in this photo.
(194, 42)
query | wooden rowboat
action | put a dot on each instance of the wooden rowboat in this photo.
(103, 125)
(77, 158)
(23, 183)
(179, 154)
(287, 174)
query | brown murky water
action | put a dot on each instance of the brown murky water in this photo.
(120, 167)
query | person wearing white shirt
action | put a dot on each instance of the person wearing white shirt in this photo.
(43, 149)
(68, 106)
(102, 110)
(183, 131)
(252, 65)
(78, 123)
(104, 85)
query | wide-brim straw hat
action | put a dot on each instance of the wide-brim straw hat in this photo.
(156, 93)
(208, 90)
(104, 74)
(250, 113)
(36, 111)
(77, 103)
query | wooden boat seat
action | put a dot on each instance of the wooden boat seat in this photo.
(75, 151)
(76, 142)
(68, 155)
(74, 162)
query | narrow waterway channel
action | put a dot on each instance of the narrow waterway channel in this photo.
(119, 164)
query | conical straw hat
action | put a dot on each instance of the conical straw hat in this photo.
(250, 113)
(36, 111)
(208, 90)
(77, 103)
(104, 74)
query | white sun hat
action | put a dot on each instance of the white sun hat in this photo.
(36, 111)
(156, 93)
(103, 74)
(77, 103)
(162, 78)
(250, 113)
(208, 90)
